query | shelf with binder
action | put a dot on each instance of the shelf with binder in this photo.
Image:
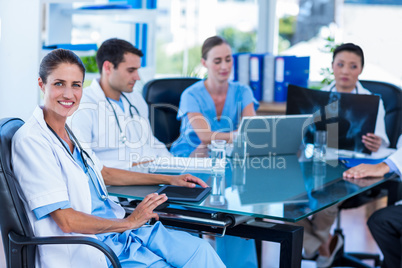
(136, 25)
(120, 14)
(290, 70)
(271, 108)
(66, 1)
(269, 75)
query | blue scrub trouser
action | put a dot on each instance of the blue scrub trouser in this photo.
(237, 252)
(155, 246)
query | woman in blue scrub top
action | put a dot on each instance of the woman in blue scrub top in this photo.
(63, 188)
(211, 109)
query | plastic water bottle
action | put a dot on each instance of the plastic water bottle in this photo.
(320, 146)
(217, 197)
(218, 155)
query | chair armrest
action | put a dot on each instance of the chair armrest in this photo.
(24, 241)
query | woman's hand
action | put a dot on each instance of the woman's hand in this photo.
(145, 210)
(366, 170)
(187, 180)
(372, 142)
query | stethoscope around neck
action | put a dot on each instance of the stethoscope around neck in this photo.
(335, 95)
(123, 138)
(332, 88)
(84, 156)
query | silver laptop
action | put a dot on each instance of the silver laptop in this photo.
(265, 135)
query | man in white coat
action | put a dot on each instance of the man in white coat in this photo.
(385, 224)
(112, 119)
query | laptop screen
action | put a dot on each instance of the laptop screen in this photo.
(275, 135)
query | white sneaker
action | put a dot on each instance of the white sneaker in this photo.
(309, 256)
(335, 246)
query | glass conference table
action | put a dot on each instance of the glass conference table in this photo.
(258, 197)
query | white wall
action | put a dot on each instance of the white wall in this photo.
(376, 29)
(19, 57)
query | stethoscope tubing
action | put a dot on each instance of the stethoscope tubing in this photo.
(332, 88)
(123, 137)
(83, 153)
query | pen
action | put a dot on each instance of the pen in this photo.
(344, 162)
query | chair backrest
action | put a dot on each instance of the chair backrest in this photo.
(392, 98)
(163, 98)
(12, 213)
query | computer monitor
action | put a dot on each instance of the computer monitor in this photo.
(346, 117)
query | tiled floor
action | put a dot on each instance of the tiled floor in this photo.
(358, 238)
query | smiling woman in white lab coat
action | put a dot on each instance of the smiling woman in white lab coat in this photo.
(63, 188)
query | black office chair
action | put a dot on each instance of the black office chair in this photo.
(392, 98)
(163, 98)
(18, 239)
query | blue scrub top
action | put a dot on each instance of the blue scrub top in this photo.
(119, 102)
(196, 99)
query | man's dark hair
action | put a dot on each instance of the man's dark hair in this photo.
(113, 50)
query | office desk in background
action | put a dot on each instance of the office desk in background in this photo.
(257, 197)
(272, 108)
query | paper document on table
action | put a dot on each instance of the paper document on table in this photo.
(181, 164)
(334, 153)
(352, 162)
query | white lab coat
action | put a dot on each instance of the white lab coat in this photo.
(47, 174)
(397, 159)
(94, 124)
(380, 123)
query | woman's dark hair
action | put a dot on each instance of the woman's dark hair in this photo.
(211, 42)
(113, 50)
(56, 57)
(351, 48)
